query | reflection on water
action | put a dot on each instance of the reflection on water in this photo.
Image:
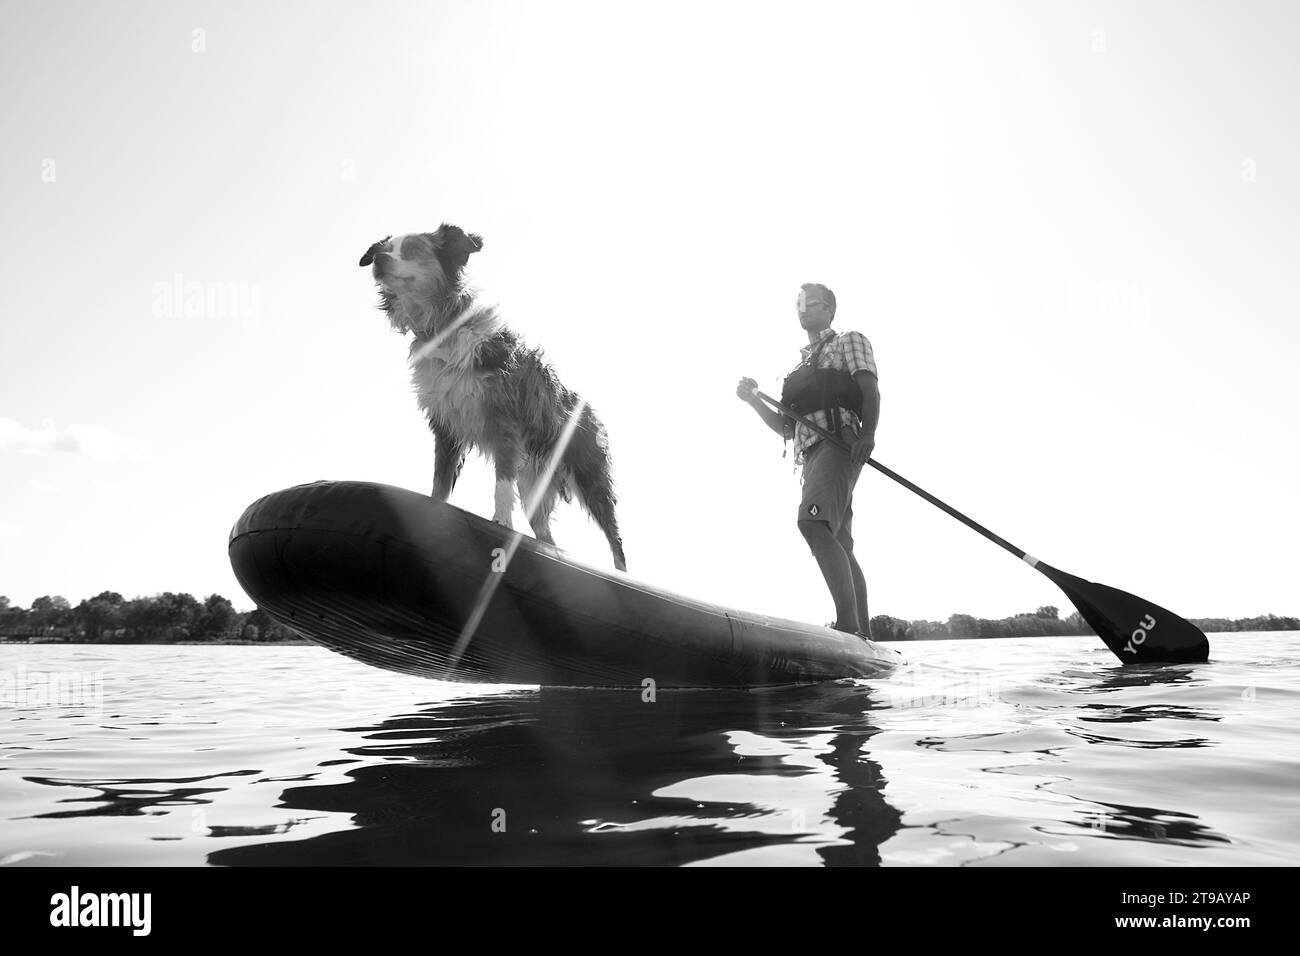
(605, 778)
(1010, 752)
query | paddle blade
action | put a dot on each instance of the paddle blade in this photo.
(1138, 631)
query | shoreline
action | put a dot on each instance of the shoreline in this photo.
(233, 643)
(307, 643)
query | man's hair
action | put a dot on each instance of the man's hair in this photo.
(827, 295)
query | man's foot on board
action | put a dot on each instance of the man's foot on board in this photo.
(850, 630)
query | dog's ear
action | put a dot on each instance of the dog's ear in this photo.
(369, 256)
(456, 248)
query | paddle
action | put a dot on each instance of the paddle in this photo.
(1138, 631)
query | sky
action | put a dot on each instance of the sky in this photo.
(1069, 231)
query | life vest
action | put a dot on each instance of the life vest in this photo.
(809, 388)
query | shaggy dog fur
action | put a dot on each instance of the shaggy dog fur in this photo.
(481, 387)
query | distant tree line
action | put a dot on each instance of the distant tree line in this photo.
(168, 618)
(1044, 622)
(165, 618)
(1265, 622)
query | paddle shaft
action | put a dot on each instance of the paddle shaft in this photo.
(890, 473)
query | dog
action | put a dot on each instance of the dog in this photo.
(481, 387)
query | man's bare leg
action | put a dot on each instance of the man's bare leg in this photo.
(837, 568)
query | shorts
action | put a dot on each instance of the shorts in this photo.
(828, 481)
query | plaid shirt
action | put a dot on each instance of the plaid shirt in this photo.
(850, 352)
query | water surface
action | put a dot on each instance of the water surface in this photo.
(1002, 752)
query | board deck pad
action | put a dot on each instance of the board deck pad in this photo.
(398, 580)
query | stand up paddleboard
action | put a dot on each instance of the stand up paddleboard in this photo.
(397, 580)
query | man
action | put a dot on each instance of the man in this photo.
(835, 387)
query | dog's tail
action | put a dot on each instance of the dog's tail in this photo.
(545, 405)
(590, 476)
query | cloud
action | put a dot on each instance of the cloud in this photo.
(8, 530)
(93, 441)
